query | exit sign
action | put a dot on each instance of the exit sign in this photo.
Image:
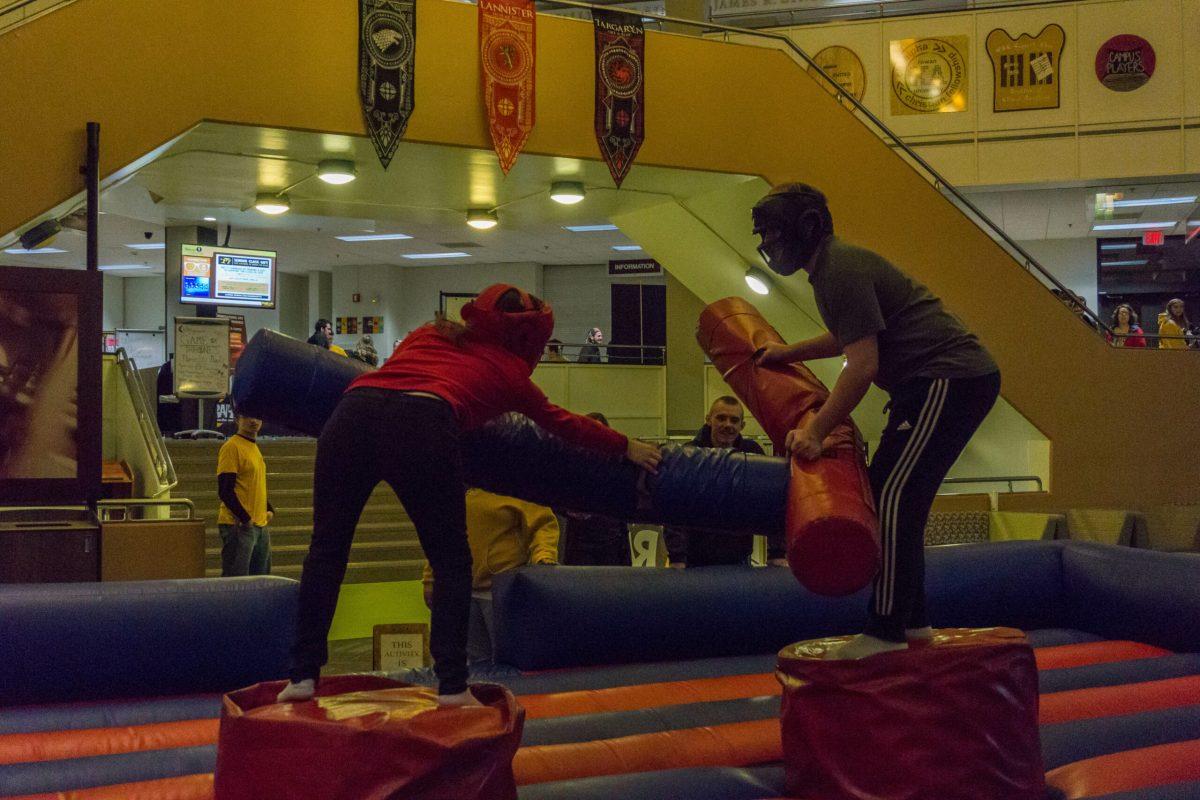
(1152, 238)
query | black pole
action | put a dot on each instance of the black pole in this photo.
(91, 173)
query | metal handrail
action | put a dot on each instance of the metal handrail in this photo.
(11, 17)
(1030, 263)
(164, 469)
(1009, 479)
(104, 508)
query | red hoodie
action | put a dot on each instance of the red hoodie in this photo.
(481, 380)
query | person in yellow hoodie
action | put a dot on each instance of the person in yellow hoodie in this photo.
(1173, 323)
(504, 533)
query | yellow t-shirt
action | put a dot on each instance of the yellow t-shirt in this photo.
(333, 348)
(505, 533)
(242, 457)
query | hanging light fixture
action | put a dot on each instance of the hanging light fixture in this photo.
(482, 219)
(758, 281)
(336, 171)
(271, 203)
(567, 192)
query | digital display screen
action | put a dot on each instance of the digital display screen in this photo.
(227, 276)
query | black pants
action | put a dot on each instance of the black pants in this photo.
(412, 443)
(930, 423)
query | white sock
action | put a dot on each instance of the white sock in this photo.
(918, 633)
(862, 646)
(297, 691)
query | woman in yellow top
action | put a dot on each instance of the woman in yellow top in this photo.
(1173, 324)
(504, 533)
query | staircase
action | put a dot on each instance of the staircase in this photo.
(385, 544)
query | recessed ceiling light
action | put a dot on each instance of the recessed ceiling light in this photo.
(147, 246)
(37, 251)
(758, 281)
(374, 237)
(210, 219)
(273, 204)
(1155, 201)
(627, 248)
(416, 256)
(1125, 246)
(482, 219)
(589, 228)
(1133, 226)
(336, 171)
(567, 192)
(1135, 263)
(124, 266)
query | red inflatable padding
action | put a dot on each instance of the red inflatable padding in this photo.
(367, 738)
(955, 719)
(1115, 701)
(648, 695)
(1128, 770)
(185, 787)
(1085, 654)
(736, 744)
(832, 530)
(21, 748)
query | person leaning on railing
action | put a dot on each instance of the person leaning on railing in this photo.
(1125, 329)
(1173, 327)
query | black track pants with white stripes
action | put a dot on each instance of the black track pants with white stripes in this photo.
(931, 421)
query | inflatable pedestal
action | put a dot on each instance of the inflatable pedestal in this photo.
(955, 719)
(367, 737)
(832, 530)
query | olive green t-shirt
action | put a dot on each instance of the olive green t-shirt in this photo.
(859, 293)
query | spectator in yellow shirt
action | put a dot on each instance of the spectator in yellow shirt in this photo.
(1173, 326)
(245, 511)
(504, 533)
(323, 337)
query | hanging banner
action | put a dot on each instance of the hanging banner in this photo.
(929, 75)
(1125, 63)
(387, 45)
(620, 89)
(1025, 70)
(506, 46)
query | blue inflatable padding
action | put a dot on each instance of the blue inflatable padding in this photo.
(715, 783)
(99, 641)
(285, 380)
(1119, 672)
(614, 724)
(83, 773)
(74, 717)
(1018, 584)
(1172, 791)
(1056, 637)
(1140, 595)
(1068, 742)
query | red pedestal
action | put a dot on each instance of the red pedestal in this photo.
(367, 738)
(957, 720)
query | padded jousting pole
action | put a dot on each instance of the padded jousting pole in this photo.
(832, 529)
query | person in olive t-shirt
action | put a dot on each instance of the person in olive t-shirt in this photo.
(894, 332)
(245, 512)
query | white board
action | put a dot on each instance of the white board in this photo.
(201, 357)
(146, 348)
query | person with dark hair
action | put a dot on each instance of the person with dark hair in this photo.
(554, 353)
(323, 337)
(1173, 326)
(1125, 329)
(687, 547)
(445, 378)
(594, 540)
(894, 332)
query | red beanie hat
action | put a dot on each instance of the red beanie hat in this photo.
(523, 332)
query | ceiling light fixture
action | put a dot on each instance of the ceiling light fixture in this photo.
(1133, 226)
(374, 237)
(627, 248)
(567, 192)
(589, 228)
(336, 171)
(758, 281)
(1124, 246)
(1137, 262)
(273, 204)
(210, 219)
(1155, 201)
(147, 246)
(482, 219)
(36, 251)
(421, 256)
(105, 267)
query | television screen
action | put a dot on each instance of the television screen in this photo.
(49, 385)
(227, 276)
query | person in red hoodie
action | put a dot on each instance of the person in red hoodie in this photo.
(444, 379)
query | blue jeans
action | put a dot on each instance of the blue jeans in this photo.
(245, 550)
